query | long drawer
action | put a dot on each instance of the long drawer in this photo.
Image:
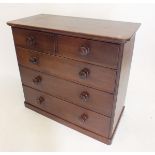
(95, 52)
(84, 118)
(35, 40)
(83, 96)
(86, 74)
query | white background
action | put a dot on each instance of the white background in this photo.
(24, 130)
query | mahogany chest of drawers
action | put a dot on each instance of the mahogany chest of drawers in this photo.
(75, 70)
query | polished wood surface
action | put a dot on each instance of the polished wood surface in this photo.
(41, 41)
(70, 112)
(98, 77)
(69, 124)
(75, 70)
(122, 81)
(100, 53)
(85, 97)
(106, 30)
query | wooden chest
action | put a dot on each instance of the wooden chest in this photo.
(75, 70)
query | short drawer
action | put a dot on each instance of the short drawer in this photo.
(96, 52)
(35, 40)
(79, 116)
(86, 74)
(89, 98)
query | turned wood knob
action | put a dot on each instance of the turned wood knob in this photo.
(30, 41)
(84, 73)
(84, 96)
(84, 117)
(37, 80)
(84, 50)
(40, 100)
(34, 60)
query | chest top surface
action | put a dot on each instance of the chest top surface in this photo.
(106, 30)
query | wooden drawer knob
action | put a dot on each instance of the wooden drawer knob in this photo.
(84, 50)
(34, 60)
(84, 96)
(40, 100)
(84, 117)
(84, 73)
(30, 41)
(37, 80)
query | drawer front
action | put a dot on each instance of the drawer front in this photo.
(96, 52)
(35, 40)
(83, 73)
(84, 118)
(89, 98)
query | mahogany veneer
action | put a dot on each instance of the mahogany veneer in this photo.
(75, 70)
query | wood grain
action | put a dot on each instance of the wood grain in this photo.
(122, 82)
(72, 113)
(75, 70)
(99, 53)
(69, 124)
(43, 42)
(99, 77)
(105, 30)
(98, 101)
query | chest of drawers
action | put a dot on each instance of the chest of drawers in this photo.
(74, 70)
